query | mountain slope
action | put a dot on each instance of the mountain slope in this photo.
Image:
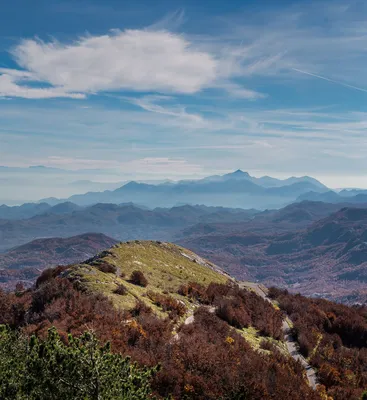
(293, 217)
(328, 258)
(211, 338)
(44, 253)
(25, 263)
(351, 197)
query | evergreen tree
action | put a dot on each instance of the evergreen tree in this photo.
(82, 370)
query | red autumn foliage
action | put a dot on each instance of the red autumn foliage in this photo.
(194, 291)
(208, 361)
(168, 303)
(239, 307)
(335, 338)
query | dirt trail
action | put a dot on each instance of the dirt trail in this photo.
(291, 344)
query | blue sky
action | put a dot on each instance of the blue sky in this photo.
(117, 90)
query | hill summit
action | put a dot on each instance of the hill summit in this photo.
(165, 268)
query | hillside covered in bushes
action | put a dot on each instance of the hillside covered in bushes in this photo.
(333, 337)
(189, 330)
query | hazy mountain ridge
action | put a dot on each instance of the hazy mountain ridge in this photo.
(344, 196)
(237, 189)
(123, 222)
(24, 211)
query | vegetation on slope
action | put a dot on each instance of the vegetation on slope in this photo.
(334, 338)
(165, 266)
(207, 358)
(49, 369)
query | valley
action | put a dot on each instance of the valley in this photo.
(314, 248)
(326, 259)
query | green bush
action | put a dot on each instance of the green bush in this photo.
(82, 370)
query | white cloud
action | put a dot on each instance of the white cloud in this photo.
(136, 60)
(9, 87)
(155, 60)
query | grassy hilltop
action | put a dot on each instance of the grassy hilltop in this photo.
(165, 266)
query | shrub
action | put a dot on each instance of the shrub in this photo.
(194, 291)
(48, 292)
(234, 313)
(202, 363)
(49, 274)
(106, 268)
(266, 345)
(121, 290)
(138, 278)
(140, 308)
(330, 333)
(168, 303)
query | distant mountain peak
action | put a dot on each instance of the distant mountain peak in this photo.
(238, 174)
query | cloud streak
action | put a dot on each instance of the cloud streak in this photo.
(330, 80)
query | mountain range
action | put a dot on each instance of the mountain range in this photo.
(273, 246)
(236, 189)
(123, 222)
(350, 196)
(269, 245)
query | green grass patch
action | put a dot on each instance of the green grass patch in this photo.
(254, 339)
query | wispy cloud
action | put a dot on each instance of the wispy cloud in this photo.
(238, 91)
(170, 22)
(154, 104)
(330, 80)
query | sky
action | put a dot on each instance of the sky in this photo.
(102, 92)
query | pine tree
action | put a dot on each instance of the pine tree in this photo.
(82, 370)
